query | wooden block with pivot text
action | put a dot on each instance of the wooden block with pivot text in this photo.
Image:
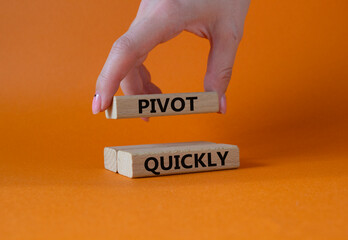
(110, 153)
(153, 105)
(166, 160)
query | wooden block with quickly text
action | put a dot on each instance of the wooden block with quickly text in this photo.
(153, 105)
(164, 160)
(110, 153)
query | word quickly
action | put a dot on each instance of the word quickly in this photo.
(176, 104)
(178, 161)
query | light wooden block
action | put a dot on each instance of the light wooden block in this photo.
(164, 160)
(153, 105)
(110, 153)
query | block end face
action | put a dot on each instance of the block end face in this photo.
(110, 162)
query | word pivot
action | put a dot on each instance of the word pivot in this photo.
(153, 105)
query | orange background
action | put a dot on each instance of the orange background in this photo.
(287, 111)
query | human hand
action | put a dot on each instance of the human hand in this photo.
(157, 21)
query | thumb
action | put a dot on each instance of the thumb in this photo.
(223, 48)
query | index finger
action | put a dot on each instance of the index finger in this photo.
(141, 38)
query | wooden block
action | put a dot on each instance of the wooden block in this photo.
(153, 105)
(164, 160)
(110, 153)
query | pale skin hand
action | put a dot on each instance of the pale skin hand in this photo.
(157, 21)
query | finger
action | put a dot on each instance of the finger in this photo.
(220, 62)
(134, 44)
(137, 82)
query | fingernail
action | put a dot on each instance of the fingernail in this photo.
(146, 119)
(223, 104)
(96, 103)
